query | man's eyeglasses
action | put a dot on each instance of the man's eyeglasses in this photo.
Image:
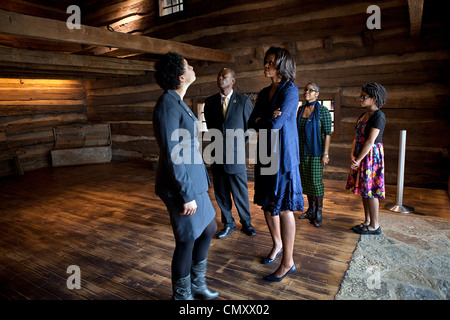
(364, 97)
(309, 90)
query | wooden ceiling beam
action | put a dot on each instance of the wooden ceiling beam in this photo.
(41, 28)
(44, 60)
(415, 17)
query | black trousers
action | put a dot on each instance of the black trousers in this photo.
(227, 185)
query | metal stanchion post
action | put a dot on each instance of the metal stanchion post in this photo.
(399, 206)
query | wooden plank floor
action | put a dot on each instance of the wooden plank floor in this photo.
(106, 220)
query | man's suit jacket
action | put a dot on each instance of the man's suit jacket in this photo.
(239, 110)
(181, 171)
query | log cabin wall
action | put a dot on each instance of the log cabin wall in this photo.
(330, 41)
(332, 46)
(127, 104)
(30, 109)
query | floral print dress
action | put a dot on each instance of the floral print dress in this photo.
(368, 179)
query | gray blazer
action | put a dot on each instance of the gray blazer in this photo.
(239, 111)
(181, 171)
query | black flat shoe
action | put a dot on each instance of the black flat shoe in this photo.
(308, 214)
(225, 232)
(365, 230)
(268, 260)
(250, 231)
(359, 226)
(272, 278)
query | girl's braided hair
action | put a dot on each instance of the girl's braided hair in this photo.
(376, 91)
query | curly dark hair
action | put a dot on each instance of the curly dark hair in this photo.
(168, 70)
(284, 62)
(376, 91)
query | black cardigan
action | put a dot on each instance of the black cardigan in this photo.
(377, 120)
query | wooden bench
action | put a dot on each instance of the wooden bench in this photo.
(81, 144)
(7, 152)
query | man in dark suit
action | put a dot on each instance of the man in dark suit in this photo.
(227, 112)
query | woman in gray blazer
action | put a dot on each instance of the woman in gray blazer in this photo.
(182, 180)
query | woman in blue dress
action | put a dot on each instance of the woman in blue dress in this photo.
(278, 187)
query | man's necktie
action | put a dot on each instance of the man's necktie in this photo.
(224, 107)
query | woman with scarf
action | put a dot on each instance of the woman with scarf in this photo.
(278, 191)
(314, 130)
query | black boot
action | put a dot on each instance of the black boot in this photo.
(182, 289)
(318, 218)
(198, 285)
(310, 213)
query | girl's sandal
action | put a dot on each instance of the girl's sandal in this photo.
(365, 230)
(359, 226)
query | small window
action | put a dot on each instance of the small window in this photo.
(167, 7)
(201, 116)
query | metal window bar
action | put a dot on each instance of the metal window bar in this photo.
(170, 6)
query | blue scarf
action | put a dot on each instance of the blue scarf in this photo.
(313, 141)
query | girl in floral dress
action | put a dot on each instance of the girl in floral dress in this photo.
(367, 157)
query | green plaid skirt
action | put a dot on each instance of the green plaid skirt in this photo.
(310, 167)
(311, 174)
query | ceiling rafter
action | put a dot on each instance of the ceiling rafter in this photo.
(52, 61)
(47, 29)
(415, 17)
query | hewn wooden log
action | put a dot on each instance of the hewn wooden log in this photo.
(53, 10)
(35, 161)
(42, 94)
(120, 113)
(415, 175)
(130, 98)
(144, 146)
(47, 29)
(420, 96)
(11, 41)
(71, 157)
(425, 132)
(147, 79)
(17, 108)
(135, 128)
(36, 138)
(60, 61)
(312, 21)
(113, 13)
(117, 89)
(27, 124)
(76, 145)
(92, 135)
(40, 83)
(415, 17)
(28, 73)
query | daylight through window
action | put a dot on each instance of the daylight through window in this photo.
(167, 7)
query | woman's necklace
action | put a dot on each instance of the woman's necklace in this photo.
(310, 107)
